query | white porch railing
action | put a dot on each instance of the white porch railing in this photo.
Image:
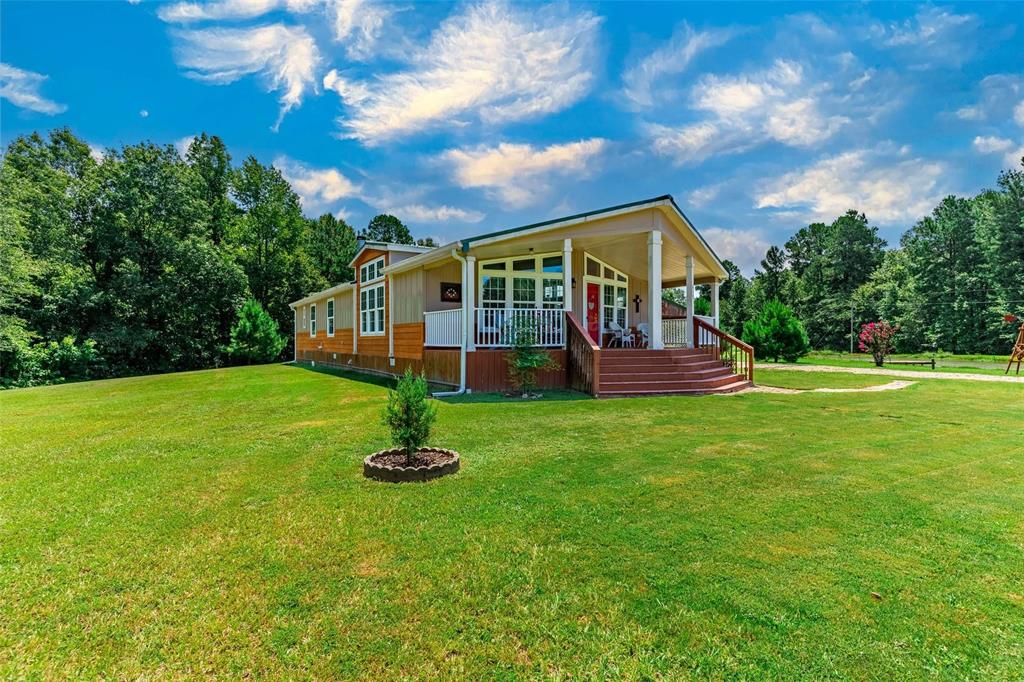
(496, 326)
(674, 331)
(443, 328)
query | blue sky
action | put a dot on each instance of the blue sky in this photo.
(465, 118)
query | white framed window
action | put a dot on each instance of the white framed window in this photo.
(303, 327)
(371, 271)
(614, 291)
(330, 317)
(312, 320)
(522, 282)
(371, 310)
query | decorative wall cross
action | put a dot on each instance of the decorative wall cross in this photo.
(637, 300)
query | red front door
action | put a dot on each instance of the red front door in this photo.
(594, 311)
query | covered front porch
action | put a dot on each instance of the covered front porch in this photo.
(612, 282)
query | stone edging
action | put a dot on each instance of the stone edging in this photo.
(392, 474)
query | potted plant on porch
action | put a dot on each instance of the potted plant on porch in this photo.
(409, 416)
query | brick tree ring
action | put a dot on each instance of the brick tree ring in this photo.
(429, 463)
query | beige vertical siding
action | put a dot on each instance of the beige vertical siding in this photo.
(343, 310)
(449, 272)
(407, 296)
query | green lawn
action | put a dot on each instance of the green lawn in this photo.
(807, 380)
(217, 524)
(944, 362)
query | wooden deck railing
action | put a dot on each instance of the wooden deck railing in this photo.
(727, 348)
(583, 357)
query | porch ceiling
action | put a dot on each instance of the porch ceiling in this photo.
(626, 252)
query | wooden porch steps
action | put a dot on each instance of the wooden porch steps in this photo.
(684, 371)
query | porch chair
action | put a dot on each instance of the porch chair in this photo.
(623, 336)
(645, 334)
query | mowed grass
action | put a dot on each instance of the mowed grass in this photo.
(810, 380)
(217, 524)
(945, 362)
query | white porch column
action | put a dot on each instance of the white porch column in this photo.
(714, 301)
(469, 302)
(689, 302)
(654, 288)
(567, 274)
(355, 319)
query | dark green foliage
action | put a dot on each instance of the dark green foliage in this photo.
(52, 362)
(526, 358)
(409, 414)
(776, 333)
(387, 228)
(331, 244)
(254, 338)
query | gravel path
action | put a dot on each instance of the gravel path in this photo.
(891, 386)
(906, 373)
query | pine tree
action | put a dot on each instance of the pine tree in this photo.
(255, 338)
(776, 333)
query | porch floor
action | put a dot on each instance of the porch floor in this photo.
(676, 371)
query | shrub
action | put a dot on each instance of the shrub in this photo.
(255, 338)
(877, 338)
(526, 358)
(51, 362)
(409, 415)
(776, 333)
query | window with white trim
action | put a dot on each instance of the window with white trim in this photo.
(330, 317)
(522, 282)
(371, 310)
(312, 320)
(371, 271)
(614, 291)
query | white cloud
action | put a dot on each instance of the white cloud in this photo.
(777, 104)
(183, 143)
(21, 88)
(318, 188)
(494, 62)
(96, 152)
(934, 36)
(998, 98)
(745, 248)
(418, 213)
(143, 113)
(992, 145)
(887, 190)
(358, 24)
(644, 81)
(285, 56)
(1011, 151)
(188, 12)
(702, 196)
(516, 172)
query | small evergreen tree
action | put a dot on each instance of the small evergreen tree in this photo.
(409, 415)
(776, 333)
(255, 337)
(526, 358)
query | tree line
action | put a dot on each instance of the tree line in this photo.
(952, 283)
(140, 262)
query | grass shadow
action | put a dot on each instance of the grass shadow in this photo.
(552, 395)
(355, 375)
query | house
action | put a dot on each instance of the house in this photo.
(585, 284)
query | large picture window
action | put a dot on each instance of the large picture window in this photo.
(522, 282)
(330, 317)
(371, 310)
